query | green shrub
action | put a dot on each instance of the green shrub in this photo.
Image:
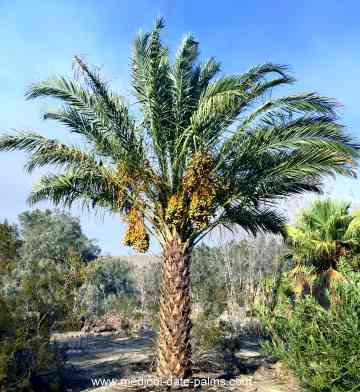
(210, 334)
(41, 298)
(26, 352)
(321, 346)
(127, 308)
(207, 334)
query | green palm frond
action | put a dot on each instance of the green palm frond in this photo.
(152, 85)
(25, 141)
(63, 155)
(92, 110)
(261, 71)
(92, 189)
(95, 134)
(287, 133)
(183, 83)
(323, 233)
(297, 152)
(290, 105)
(221, 104)
(69, 91)
(353, 229)
(253, 220)
(111, 107)
(207, 72)
(138, 69)
(44, 151)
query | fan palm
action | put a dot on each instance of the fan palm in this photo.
(203, 150)
(324, 233)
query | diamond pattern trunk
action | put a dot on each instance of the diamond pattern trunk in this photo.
(174, 349)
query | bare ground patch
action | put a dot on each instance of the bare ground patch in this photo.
(128, 361)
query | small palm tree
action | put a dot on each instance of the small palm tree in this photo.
(201, 151)
(324, 233)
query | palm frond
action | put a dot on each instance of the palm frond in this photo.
(323, 233)
(110, 106)
(138, 69)
(152, 84)
(353, 229)
(220, 106)
(313, 145)
(69, 91)
(44, 151)
(96, 134)
(183, 87)
(254, 220)
(290, 105)
(89, 187)
(207, 71)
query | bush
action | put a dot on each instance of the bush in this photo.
(207, 334)
(128, 310)
(321, 346)
(28, 361)
(41, 298)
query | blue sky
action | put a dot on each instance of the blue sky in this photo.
(320, 40)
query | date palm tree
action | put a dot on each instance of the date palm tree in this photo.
(196, 150)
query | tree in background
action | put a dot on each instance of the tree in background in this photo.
(230, 275)
(113, 275)
(9, 244)
(203, 152)
(207, 266)
(35, 297)
(46, 253)
(49, 235)
(107, 277)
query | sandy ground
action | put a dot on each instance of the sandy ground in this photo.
(126, 362)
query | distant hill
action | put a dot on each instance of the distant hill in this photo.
(140, 260)
(136, 260)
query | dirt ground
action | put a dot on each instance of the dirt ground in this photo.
(123, 363)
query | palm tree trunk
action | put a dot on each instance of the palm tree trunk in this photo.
(174, 345)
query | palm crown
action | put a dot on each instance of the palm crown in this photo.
(323, 233)
(205, 151)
